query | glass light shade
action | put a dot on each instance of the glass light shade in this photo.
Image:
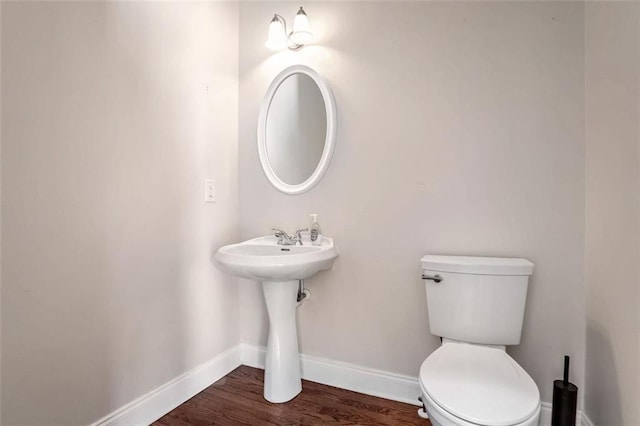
(301, 29)
(277, 38)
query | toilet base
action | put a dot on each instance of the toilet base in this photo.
(440, 417)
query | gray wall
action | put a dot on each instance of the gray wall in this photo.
(612, 212)
(461, 131)
(113, 114)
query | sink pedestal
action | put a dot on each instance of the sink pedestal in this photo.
(279, 268)
(282, 380)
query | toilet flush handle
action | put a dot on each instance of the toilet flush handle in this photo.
(437, 277)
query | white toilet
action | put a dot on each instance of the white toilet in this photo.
(476, 304)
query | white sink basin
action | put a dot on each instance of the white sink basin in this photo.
(263, 259)
(279, 268)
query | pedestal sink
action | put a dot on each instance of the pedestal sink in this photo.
(279, 268)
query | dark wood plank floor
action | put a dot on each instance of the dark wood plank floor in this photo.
(236, 399)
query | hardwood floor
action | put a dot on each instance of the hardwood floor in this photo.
(236, 399)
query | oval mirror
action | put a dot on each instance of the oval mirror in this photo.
(296, 129)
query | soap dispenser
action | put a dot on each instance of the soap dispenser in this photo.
(315, 233)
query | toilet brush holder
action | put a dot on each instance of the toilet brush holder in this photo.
(565, 400)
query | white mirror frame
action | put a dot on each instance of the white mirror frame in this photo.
(330, 139)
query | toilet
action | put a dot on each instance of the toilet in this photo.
(476, 305)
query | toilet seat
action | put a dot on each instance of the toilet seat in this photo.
(479, 385)
(440, 417)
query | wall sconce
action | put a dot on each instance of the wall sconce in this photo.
(301, 34)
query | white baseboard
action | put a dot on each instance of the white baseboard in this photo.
(369, 381)
(346, 376)
(545, 416)
(585, 420)
(383, 384)
(153, 405)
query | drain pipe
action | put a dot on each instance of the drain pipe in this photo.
(303, 293)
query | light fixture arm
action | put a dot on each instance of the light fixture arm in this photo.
(296, 39)
(282, 21)
(291, 45)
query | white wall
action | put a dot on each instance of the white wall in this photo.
(461, 131)
(113, 114)
(0, 221)
(613, 212)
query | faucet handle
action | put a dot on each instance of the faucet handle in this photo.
(279, 234)
(298, 236)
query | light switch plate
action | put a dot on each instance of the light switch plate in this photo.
(209, 191)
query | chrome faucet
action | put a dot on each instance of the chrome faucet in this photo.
(285, 240)
(298, 235)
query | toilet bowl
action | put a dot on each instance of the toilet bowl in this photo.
(476, 305)
(465, 384)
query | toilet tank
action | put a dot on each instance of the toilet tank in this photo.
(479, 299)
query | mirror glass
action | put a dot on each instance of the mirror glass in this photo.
(296, 129)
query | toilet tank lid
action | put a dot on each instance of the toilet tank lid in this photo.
(477, 265)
